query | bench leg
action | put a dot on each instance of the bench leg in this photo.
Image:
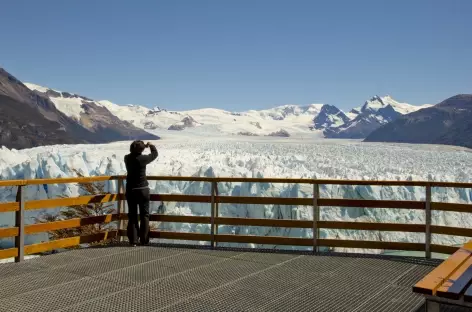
(431, 306)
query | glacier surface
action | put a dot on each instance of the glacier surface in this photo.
(228, 156)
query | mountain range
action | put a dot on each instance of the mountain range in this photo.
(322, 120)
(33, 115)
(449, 122)
(374, 113)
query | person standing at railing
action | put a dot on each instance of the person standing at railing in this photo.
(137, 191)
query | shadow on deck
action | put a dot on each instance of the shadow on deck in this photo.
(173, 278)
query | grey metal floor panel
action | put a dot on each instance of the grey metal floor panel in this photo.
(15, 285)
(268, 258)
(61, 296)
(179, 278)
(117, 261)
(414, 275)
(393, 298)
(17, 269)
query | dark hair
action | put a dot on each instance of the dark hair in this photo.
(137, 147)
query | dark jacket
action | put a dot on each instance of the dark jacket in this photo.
(136, 168)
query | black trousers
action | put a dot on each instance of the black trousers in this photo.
(135, 198)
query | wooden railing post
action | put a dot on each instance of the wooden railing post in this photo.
(121, 208)
(316, 216)
(427, 239)
(213, 212)
(20, 224)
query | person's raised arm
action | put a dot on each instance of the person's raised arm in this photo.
(146, 159)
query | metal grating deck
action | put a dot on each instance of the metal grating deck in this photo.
(176, 278)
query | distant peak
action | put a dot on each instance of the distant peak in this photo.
(375, 98)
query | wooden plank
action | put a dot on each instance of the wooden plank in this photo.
(451, 207)
(8, 253)
(451, 184)
(443, 249)
(401, 204)
(180, 236)
(457, 282)
(431, 282)
(269, 240)
(308, 224)
(449, 230)
(70, 223)
(71, 180)
(82, 200)
(321, 181)
(467, 246)
(241, 179)
(12, 182)
(9, 232)
(308, 181)
(371, 226)
(10, 206)
(68, 242)
(181, 219)
(371, 244)
(180, 178)
(264, 200)
(181, 198)
(174, 235)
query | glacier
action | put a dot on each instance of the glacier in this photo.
(228, 156)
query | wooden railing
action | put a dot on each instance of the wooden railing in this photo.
(214, 220)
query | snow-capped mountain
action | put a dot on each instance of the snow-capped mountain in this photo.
(92, 115)
(294, 119)
(314, 120)
(190, 155)
(330, 116)
(373, 114)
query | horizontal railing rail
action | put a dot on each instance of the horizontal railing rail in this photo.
(214, 220)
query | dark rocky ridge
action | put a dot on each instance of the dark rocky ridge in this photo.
(449, 122)
(29, 118)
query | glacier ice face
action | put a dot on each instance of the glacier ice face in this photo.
(261, 157)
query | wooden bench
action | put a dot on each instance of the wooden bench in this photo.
(450, 282)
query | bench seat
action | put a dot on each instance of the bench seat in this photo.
(450, 282)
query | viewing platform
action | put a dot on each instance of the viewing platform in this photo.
(156, 278)
(221, 276)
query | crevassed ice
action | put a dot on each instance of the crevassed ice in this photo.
(261, 158)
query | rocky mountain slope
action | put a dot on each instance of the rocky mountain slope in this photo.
(30, 118)
(93, 116)
(449, 122)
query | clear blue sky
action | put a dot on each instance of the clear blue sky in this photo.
(241, 54)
